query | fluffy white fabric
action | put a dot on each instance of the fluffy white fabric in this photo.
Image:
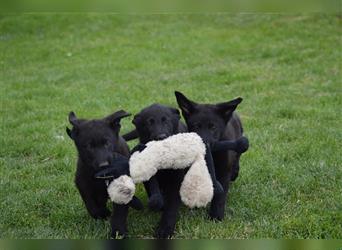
(121, 190)
(175, 152)
(197, 187)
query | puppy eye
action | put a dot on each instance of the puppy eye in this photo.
(196, 126)
(151, 121)
(106, 142)
(211, 126)
(163, 119)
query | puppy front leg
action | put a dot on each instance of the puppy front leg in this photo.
(156, 201)
(118, 220)
(236, 168)
(169, 216)
(218, 189)
(217, 206)
(94, 209)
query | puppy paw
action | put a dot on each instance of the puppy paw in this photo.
(118, 232)
(164, 232)
(136, 204)
(216, 216)
(156, 202)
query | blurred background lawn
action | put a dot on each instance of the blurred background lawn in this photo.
(286, 67)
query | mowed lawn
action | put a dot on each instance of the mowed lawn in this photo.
(286, 67)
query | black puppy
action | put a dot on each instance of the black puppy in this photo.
(215, 122)
(97, 141)
(157, 122)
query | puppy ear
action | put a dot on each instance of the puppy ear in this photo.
(75, 122)
(115, 118)
(73, 119)
(176, 113)
(69, 132)
(187, 106)
(136, 120)
(226, 109)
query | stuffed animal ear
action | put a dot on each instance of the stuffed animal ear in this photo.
(114, 119)
(187, 106)
(226, 109)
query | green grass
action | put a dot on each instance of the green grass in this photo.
(286, 67)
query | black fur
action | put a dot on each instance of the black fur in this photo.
(215, 122)
(158, 122)
(96, 142)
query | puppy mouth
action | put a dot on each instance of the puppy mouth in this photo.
(161, 137)
(103, 164)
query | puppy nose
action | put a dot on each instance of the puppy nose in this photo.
(161, 136)
(103, 164)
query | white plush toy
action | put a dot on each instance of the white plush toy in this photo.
(180, 151)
